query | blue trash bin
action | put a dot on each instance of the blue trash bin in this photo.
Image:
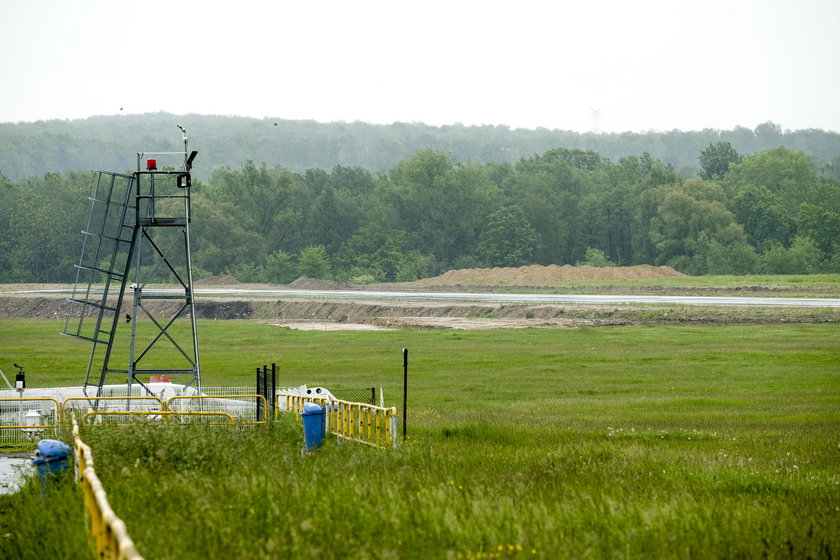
(52, 457)
(314, 425)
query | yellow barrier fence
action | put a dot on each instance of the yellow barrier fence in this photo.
(364, 423)
(203, 402)
(109, 537)
(294, 403)
(20, 417)
(359, 422)
(154, 416)
(149, 403)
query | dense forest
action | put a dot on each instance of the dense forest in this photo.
(774, 211)
(111, 143)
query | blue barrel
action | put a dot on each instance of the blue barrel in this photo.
(314, 425)
(52, 456)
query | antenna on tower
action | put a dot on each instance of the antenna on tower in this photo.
(595, 115)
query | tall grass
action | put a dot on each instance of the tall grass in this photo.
(48, 525)
(655, 442)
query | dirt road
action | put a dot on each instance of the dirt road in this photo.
(322, 313)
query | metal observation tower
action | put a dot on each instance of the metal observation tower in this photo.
(135, 275)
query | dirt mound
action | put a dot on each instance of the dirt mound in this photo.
(306, 283)
(221, 280)
(538, 275)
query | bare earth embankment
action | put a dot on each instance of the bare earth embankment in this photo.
(323, 313)
(537, 275)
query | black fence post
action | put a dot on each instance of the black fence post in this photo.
(260, 383)
(405, 392)
(273, 397)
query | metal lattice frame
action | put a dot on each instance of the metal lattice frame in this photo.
(137, 243)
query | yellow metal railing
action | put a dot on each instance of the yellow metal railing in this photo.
(294, 403)
(57, 414)
(202, 399)
(163, 414)
(64, 405)
(109, 537)
(159, 408)
(359, 422)
(363, 423)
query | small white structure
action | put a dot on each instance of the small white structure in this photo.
(304, 391)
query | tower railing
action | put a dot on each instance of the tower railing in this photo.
(137, 244)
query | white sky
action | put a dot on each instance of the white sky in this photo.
(639, 64)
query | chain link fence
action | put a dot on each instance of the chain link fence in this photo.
(366, 396)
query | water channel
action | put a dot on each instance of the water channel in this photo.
(13, 468)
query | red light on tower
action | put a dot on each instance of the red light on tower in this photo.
(151, 164)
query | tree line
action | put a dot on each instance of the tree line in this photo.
(111, 142)
(769, 212)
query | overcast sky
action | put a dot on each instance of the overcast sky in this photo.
(608, 65)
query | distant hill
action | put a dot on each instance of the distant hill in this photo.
(111, 143)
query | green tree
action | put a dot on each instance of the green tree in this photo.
(762, 215)
(44, 222)
(414, 265)
(444, 203)
(267, 201)
(508, 239)
(314, 262)
(803, 257)
(378, 250)
(549, 189)
(820, 224)
(783, 172)
(689, 215)
(220, 241)
(735, 259)
(595, 257)
(248, 272)
(716, 159)
(336, 207)
(631, 204)
(280, 268)
(8, 233)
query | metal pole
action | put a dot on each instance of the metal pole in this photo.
(259, 392)
(191, 294)
(273, 399)
(264, 388)
(405, 391)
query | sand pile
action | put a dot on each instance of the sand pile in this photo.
(538, 275)
(223, 280)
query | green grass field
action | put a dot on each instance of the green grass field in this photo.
(653, 442)
(817, 285)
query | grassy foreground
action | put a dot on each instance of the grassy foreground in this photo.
(655, 442)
